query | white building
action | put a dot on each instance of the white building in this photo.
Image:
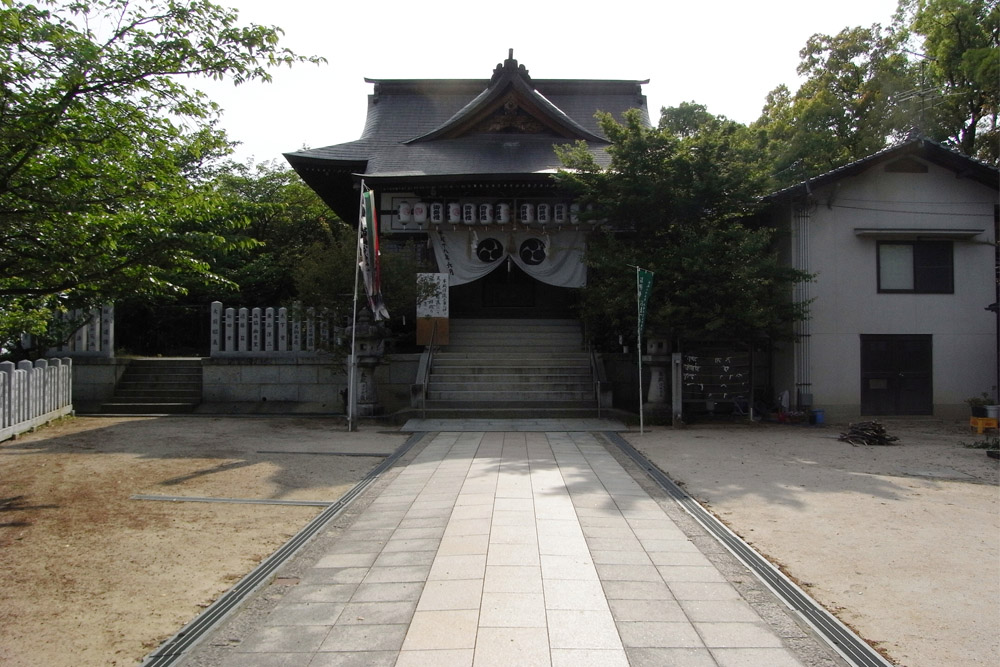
(903, 248)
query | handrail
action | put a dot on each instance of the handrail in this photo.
(427, 371)
(595, 373)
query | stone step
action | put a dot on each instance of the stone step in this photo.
(511, 350)
(532, 376)
(489, 395)
(512, 367)
(187, 383)
(157, 376)
(117, 407)
(525, 358)
(514, 410)
(148, 393)
(517, 332)
(516, 388)
(165, 364)
(157, 386)
(495, 365)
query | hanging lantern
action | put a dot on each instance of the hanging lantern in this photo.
(437, 213)
(559, 214)
(405, 211)
(544, 212)
(469, 214)
(420, 212)
(527, 213)
(503, 213)
(454, 212)
(485, 214)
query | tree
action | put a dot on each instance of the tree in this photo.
(104, 190)
(935, 72)
(679, 199)
(325, 279)
(845, 109)
(285, 219)
(960, 70)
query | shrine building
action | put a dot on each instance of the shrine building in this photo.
(469, 164)
(465, 167)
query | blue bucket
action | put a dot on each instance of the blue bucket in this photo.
(816, 417)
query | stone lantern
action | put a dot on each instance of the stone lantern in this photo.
(658, 357)
(369, 347)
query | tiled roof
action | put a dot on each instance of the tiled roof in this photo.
(428, 127)
(932, 151)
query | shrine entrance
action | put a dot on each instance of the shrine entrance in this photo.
(509, 292)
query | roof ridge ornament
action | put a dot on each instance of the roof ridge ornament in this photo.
(509, 65)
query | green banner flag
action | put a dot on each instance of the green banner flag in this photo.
(644, 285)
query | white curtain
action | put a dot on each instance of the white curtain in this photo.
(467, 254)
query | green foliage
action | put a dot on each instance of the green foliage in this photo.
(678, 197)
(960, 68)
(935, 71)
(325, 280)
(987, 442)
(285, 219)
(982, 400)
(845, 109)
(104, 187)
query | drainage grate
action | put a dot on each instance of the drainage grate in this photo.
(174, 648)
(851, 647)
(374, 455)
(242, 501)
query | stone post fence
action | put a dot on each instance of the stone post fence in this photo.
(32, 394)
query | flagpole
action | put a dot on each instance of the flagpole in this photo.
(638, 301)
(643, 287)
(352, 374)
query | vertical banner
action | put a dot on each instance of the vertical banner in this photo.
(369, 255)
(644, 285)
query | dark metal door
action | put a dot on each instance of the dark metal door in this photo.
(896, 375)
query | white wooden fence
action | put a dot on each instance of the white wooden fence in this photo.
(258, 332)
(34, 393)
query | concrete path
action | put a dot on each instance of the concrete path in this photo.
(515, 548)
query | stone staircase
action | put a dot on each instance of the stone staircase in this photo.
(519, 366)
(157, 386)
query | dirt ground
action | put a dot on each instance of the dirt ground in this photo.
(903, 542)
(92, 577)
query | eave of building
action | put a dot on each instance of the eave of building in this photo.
(333, 180)
(917, 233)
(962, 165)
(468, 152)
(402, 182)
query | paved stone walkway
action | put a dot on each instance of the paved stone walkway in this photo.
(513, 548)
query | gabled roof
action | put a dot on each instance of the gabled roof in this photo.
(466, 130)
(963, 166)
(510, 104)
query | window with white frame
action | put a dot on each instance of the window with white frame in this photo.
(918, 267)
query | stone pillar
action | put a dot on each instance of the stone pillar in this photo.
(677, 388)
(657, 358)
(215, 345)
(369, 340)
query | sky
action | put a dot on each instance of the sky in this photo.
(725, 54)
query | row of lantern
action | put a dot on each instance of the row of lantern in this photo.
(483, 213)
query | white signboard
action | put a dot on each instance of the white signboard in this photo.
(433, 291)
